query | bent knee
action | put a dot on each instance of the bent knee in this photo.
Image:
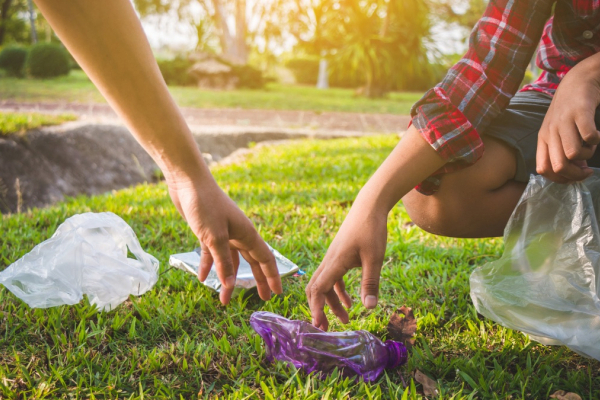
(441, 215)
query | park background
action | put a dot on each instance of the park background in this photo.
(338, 78)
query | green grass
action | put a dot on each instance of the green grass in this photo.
(19, 123)
(76, 87)
(176, 341)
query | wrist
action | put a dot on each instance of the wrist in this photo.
(372, 201)
(589, 69)
(186, 172)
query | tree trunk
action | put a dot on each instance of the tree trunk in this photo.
(323, 79)
(34, 38)
(234, 48)
(4, 8)
(240, 32)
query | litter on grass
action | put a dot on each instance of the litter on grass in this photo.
(88, 254)
(354, 353)
(547, 282)
(189, 262)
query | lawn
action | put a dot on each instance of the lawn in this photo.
(176, 341)
(18, 123)
(76, 87)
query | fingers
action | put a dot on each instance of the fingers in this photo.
(226, 292)
(340, 289)
(320, 291)
(262, 285)
(206, 262)
(260, 252)
(587, 129)
(573, 145)
(544, 165)
(561, 165)
(316, 302)
(333, 301)
(224, 265)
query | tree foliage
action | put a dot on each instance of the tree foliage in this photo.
(380, 44)
(13, 28)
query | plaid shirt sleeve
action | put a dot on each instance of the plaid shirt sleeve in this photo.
(480, 85)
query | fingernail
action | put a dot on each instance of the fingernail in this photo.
(370, 301)
(230, 282)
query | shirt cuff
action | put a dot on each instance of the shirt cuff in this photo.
(448, 132)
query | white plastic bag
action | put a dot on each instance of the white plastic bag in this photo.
(547, 282)
(86, 255)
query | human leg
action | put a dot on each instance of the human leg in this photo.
(477, 201)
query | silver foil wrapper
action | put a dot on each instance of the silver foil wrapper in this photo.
(189, 262)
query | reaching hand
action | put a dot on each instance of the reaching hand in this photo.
(568, 136)
(223, 230)
(360, 242)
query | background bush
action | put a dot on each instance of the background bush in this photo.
(248, 76)
(305, 70)
(48, 60)
(175, 71)
(12, 60)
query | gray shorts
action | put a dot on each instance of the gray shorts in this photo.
(518, 127)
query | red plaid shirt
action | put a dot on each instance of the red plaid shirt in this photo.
(479, 87)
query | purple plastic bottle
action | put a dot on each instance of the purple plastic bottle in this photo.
(300, 343)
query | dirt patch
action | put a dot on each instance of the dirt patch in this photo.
(77, 158)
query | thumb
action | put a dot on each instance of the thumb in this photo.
(370, 283)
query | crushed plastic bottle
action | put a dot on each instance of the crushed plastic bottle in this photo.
(304, 346)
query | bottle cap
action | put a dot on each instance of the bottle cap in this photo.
(398, 354)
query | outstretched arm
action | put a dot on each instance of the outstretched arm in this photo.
(107, 40)
(361, 240)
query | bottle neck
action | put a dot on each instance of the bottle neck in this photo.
(398, 354)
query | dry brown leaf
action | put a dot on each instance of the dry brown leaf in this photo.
(429, 385)
(562, 395)
(402, 326)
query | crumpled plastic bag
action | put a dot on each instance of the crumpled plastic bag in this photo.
(86, 255)
(546, 283)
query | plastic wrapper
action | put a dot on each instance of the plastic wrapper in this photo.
(190, 262)
(546, 282)
(354, 353)
(88, 254)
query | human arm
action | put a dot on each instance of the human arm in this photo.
(107, 40)
(361, 240)
(561, 153)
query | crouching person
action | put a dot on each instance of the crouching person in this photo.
(463, 164)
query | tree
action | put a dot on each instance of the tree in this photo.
(233, 22)
(467, 17)
(382, 44)
(13, 28)
(15, 25)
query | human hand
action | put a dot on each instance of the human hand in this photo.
(223, 230)
(360, 242)
(568, 136)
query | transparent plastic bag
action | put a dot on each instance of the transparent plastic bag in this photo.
(546, 283)
(86, 255)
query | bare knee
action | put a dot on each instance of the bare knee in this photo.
(439, 215)
(473, 202)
